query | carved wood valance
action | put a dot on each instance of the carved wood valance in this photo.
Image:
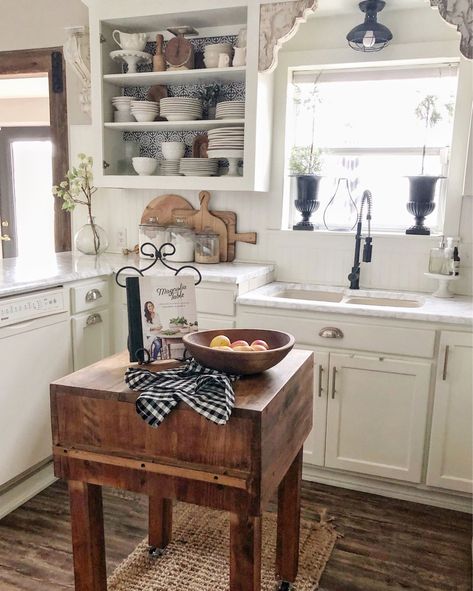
(278, 23)
(459, 13)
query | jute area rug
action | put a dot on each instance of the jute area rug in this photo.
(197, 558)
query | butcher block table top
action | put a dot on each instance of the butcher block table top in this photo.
(99, 440)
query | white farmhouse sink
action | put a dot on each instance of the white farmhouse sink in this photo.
(347, 297)
(374, 301)
(312, 295)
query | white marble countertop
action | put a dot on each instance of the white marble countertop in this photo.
(457, 310)
(19, 275)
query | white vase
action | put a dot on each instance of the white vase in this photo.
(239, 59)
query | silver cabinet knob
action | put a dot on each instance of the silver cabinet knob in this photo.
(93, 319)
(331, 332)
(92, 295)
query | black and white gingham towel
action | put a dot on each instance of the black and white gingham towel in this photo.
(207, 391)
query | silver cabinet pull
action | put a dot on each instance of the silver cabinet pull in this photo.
(334, 377)
(93, 295)
(93, 319)
(321, 371)
(445, 363)
(331, 332)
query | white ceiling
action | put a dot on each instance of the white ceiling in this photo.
(331, 7)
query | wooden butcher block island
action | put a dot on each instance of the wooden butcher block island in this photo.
(99, 440)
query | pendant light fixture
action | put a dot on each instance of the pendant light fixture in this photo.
(371, 35)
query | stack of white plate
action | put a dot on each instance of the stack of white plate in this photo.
(169, 168)
(177, 108)
(230, 110)
(144, 110)
(122, 103)
(198, 166)
(226, 142)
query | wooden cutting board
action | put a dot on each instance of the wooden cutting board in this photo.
(230, 219)
(202, 219)
(162, 208)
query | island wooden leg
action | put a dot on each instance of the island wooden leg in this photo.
(160, 522)
(245, 552)
(88, 542)
(289, 514)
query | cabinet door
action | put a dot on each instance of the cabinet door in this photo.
(450, 457)
(90, 337)
(314, 446)
(376, 418)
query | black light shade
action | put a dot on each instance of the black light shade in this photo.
(371, 35)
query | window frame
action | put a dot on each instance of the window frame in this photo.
(409, 55)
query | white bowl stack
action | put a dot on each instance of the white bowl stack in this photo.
(144, 110)
(179, 108)
(198, 166)
(226, 142)
(230, 110)
(211, 53)
(122, 106)
(169, 168)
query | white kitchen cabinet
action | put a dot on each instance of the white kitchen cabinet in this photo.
(376, 415)
(90, 322)
(90, 337)
(450, 459)
(314, 446)
(222, 19)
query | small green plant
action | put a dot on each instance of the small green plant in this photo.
(305, 160)
(209, 95)
(428, 112)
(77, 189)
(178, 321)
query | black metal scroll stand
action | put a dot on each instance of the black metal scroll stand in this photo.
(157, 254)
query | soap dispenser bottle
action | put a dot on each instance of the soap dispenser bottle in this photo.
(437, 258)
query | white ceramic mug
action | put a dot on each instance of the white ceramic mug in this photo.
(133, 41)
(223, 60)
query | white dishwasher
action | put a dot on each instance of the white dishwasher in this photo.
(35, 349)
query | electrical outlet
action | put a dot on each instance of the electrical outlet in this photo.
(121, 238)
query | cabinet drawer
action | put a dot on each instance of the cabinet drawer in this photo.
(89, 296)
(376, 338)
(215, 301)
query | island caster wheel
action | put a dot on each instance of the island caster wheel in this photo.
(154, 552)
(285, 586)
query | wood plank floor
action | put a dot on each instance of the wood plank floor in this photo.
(386, 544)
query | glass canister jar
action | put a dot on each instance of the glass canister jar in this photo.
(183, 239)
(207, 247)
(152, 232)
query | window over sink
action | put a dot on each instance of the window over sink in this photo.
(373, 126)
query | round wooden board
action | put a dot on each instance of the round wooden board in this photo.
(162, 207)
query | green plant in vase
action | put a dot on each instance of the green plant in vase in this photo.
(77, 189)
(209, 96)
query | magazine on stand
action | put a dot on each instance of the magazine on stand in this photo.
(160, 311)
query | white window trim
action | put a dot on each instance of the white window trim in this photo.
(401, 55)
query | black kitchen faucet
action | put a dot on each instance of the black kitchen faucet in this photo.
(354, 276)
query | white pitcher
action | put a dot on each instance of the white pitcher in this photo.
(132, 41)
(239, 59)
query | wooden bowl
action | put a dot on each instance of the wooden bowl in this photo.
(239, 362)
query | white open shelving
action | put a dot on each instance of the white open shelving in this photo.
(205, 76)
(198, 125)
(108, 81)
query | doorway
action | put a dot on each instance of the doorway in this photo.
(34, 156)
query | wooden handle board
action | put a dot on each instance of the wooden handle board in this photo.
(163, 208)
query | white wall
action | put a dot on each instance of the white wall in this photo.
(27, 24)
(398, 262)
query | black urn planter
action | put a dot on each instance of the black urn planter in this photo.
(421, 201)
(307, 186)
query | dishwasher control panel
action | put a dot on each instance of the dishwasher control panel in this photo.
(22, 308)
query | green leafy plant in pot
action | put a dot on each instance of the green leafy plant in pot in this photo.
(422, 187)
